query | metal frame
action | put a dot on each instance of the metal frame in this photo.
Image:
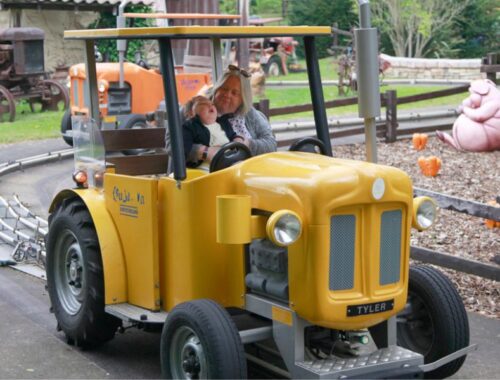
(164, 37)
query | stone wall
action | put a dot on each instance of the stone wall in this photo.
(423, 68)
(54, 23)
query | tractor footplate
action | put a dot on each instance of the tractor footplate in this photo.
(385, 359)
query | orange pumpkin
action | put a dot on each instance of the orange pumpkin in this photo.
(419, 140)
(429, 166)
(489, 222)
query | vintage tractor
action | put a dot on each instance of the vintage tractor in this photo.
(294, 260)
(125, 106)
(23, 76)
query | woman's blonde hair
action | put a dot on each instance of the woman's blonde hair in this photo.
(246, 89)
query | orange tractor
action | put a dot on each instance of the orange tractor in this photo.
(125, 106)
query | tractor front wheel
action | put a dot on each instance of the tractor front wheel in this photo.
(75, 276)
(434, 321)
(66, 127)
(274, 67)
(200, 341)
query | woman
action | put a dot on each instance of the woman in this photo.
(232, 96)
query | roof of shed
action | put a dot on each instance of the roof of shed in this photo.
(67, 4)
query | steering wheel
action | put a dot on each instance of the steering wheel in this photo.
(310, 145)
(228, 155)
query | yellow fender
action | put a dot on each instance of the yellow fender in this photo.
(115, 278)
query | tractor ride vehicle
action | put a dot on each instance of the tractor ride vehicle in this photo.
(23, 75)
(293, 253)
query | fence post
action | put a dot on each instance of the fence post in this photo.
(264, 107)
(391, 115)
(492, 59)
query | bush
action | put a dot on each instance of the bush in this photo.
(107, 20)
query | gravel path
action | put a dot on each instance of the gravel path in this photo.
(471, 176)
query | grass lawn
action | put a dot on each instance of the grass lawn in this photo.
(328, 69)
(31, 126)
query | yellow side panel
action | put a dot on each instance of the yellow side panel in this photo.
(193, 265)
(133, 205)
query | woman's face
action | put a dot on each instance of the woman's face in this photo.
(228, 97)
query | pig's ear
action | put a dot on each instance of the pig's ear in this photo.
(481, 87)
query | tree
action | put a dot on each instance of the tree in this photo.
(108, 20)
(479, 27)
(323, 12)
(417, 28)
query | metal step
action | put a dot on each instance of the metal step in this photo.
(131, 313)
(384, 359)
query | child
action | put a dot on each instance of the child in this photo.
(204, 128)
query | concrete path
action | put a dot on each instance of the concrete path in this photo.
(30, 346)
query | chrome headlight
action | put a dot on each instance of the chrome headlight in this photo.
(284, 227)
(424, 213)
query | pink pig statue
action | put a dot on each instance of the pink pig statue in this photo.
(477, 129)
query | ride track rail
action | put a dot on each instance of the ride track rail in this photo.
(25, 231)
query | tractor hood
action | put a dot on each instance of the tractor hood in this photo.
(313, 185)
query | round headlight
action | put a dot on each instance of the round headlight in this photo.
(378, 188)
(284, 227)
(425, 213)
(101, 87)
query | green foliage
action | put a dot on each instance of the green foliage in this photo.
(326, 13)
(479, 27)
(437, 28)
(257, 7)
(107, 20)
(228, 6)
(265, 7)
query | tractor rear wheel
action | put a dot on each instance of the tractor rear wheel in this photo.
(75, 276)
(273, 67)
(200, 341)
(134, 121)
(434, 321)
(7, 105)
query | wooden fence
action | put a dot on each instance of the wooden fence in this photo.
(389, 100)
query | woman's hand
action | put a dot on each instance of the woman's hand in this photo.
(242, 140)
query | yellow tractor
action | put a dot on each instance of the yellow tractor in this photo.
(300, 254)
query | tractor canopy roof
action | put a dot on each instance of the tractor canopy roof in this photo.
(183, 32)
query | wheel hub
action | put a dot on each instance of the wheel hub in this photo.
(191, 358)
(75, 270)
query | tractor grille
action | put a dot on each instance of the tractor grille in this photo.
(344, 231)
(390, 247)
(119, 100)
(74, 87)
(342, 240)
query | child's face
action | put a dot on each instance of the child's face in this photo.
(206, 111)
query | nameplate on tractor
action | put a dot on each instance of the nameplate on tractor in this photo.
(370, 308)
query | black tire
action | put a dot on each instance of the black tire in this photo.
(66, 126)
(218, 352)
(75, 276)
(274, 67)
(134, 121)
(434, 322)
